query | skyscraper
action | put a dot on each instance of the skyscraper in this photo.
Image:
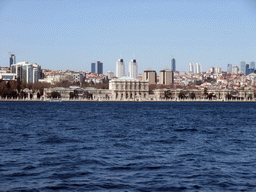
(229, 68)
(12, 59)
(191, 67)
(252, 65)
(97, 67)
(242, 67)
(133, 69)
(173, 65)
(198, 68)
(247, 69)
(120, 68)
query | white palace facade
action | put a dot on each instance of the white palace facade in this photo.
(129, 89)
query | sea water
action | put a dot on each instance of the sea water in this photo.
(129, 146)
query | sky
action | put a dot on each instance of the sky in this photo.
(70, 34)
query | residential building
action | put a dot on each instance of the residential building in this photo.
(150, 76)
(133, 69)
(229, 68)
(218, 70)
(166, 77)
(235, 69)
(110, 74)
(198, 68)
(120, 68)
(191, 67)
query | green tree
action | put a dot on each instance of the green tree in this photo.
(205, 92)
(55, 94)
(229, 96)
(168, 94)
(192, 95)
(182, 95)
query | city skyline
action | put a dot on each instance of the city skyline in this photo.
(71, 36)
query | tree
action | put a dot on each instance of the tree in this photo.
(71, 95)
(192, 95)
(205, 92)
(182, 95)
(168, 94)
(55, 94)
(210, 96)
(229, 96)
(18, 87)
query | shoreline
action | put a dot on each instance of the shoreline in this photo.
(174, 101)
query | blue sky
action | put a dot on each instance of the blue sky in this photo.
(63, 34)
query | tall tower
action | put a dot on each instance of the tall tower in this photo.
(191, 67)
(252, 65)
(97, 67)
(229, 68)
(120, 68)
(242, 67)
(173, 65)
(133, 69)
(198, 68)
(12, 59)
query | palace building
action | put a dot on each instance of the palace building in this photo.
(127, 88)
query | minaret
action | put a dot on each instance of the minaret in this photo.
(133, 69)
(120, 68)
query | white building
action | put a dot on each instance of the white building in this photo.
(120, 68)
(133, 69)
(212, 70)
(8, 76)
(198, 68)
(77, 77)
(127, 88)
(27, 72)
(218, 70)
(235, 69)
(110, 74)
(191, 67)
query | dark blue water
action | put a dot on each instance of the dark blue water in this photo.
(87, 146)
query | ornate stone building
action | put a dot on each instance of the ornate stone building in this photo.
(129, 89)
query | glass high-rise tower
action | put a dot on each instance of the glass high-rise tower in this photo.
(242, 67)
(173, 65)
(97, 67)
(12, 59)
(229, 68)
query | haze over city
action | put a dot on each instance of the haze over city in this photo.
(72, 34)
